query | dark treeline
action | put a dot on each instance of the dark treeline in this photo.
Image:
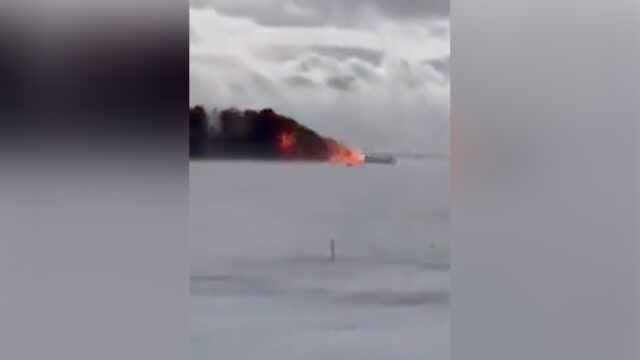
(251, 134)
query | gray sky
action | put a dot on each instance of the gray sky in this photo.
(373, 73)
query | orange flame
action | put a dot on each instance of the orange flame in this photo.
(341, 154)
(285, 142)
(337, 152)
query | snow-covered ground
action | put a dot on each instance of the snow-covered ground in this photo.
(262, 284)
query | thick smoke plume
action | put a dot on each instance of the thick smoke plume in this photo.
(251, 134)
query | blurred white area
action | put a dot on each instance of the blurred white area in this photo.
(544, 180)
(92, 265)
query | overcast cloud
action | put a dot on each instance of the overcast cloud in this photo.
(372, 73)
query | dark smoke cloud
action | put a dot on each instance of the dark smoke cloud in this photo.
(251, 134)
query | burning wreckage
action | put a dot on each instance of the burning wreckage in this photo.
(250, 134)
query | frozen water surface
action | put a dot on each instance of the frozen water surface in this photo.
(263, 285)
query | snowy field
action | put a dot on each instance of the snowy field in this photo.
(263, 287)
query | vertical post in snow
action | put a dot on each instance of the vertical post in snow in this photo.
(332, 250)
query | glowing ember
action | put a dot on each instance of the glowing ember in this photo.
(285, 142)
(339, 153)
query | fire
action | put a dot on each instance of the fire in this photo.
(291, 145)
(262, 134)
(286, 141)
(341, 154)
